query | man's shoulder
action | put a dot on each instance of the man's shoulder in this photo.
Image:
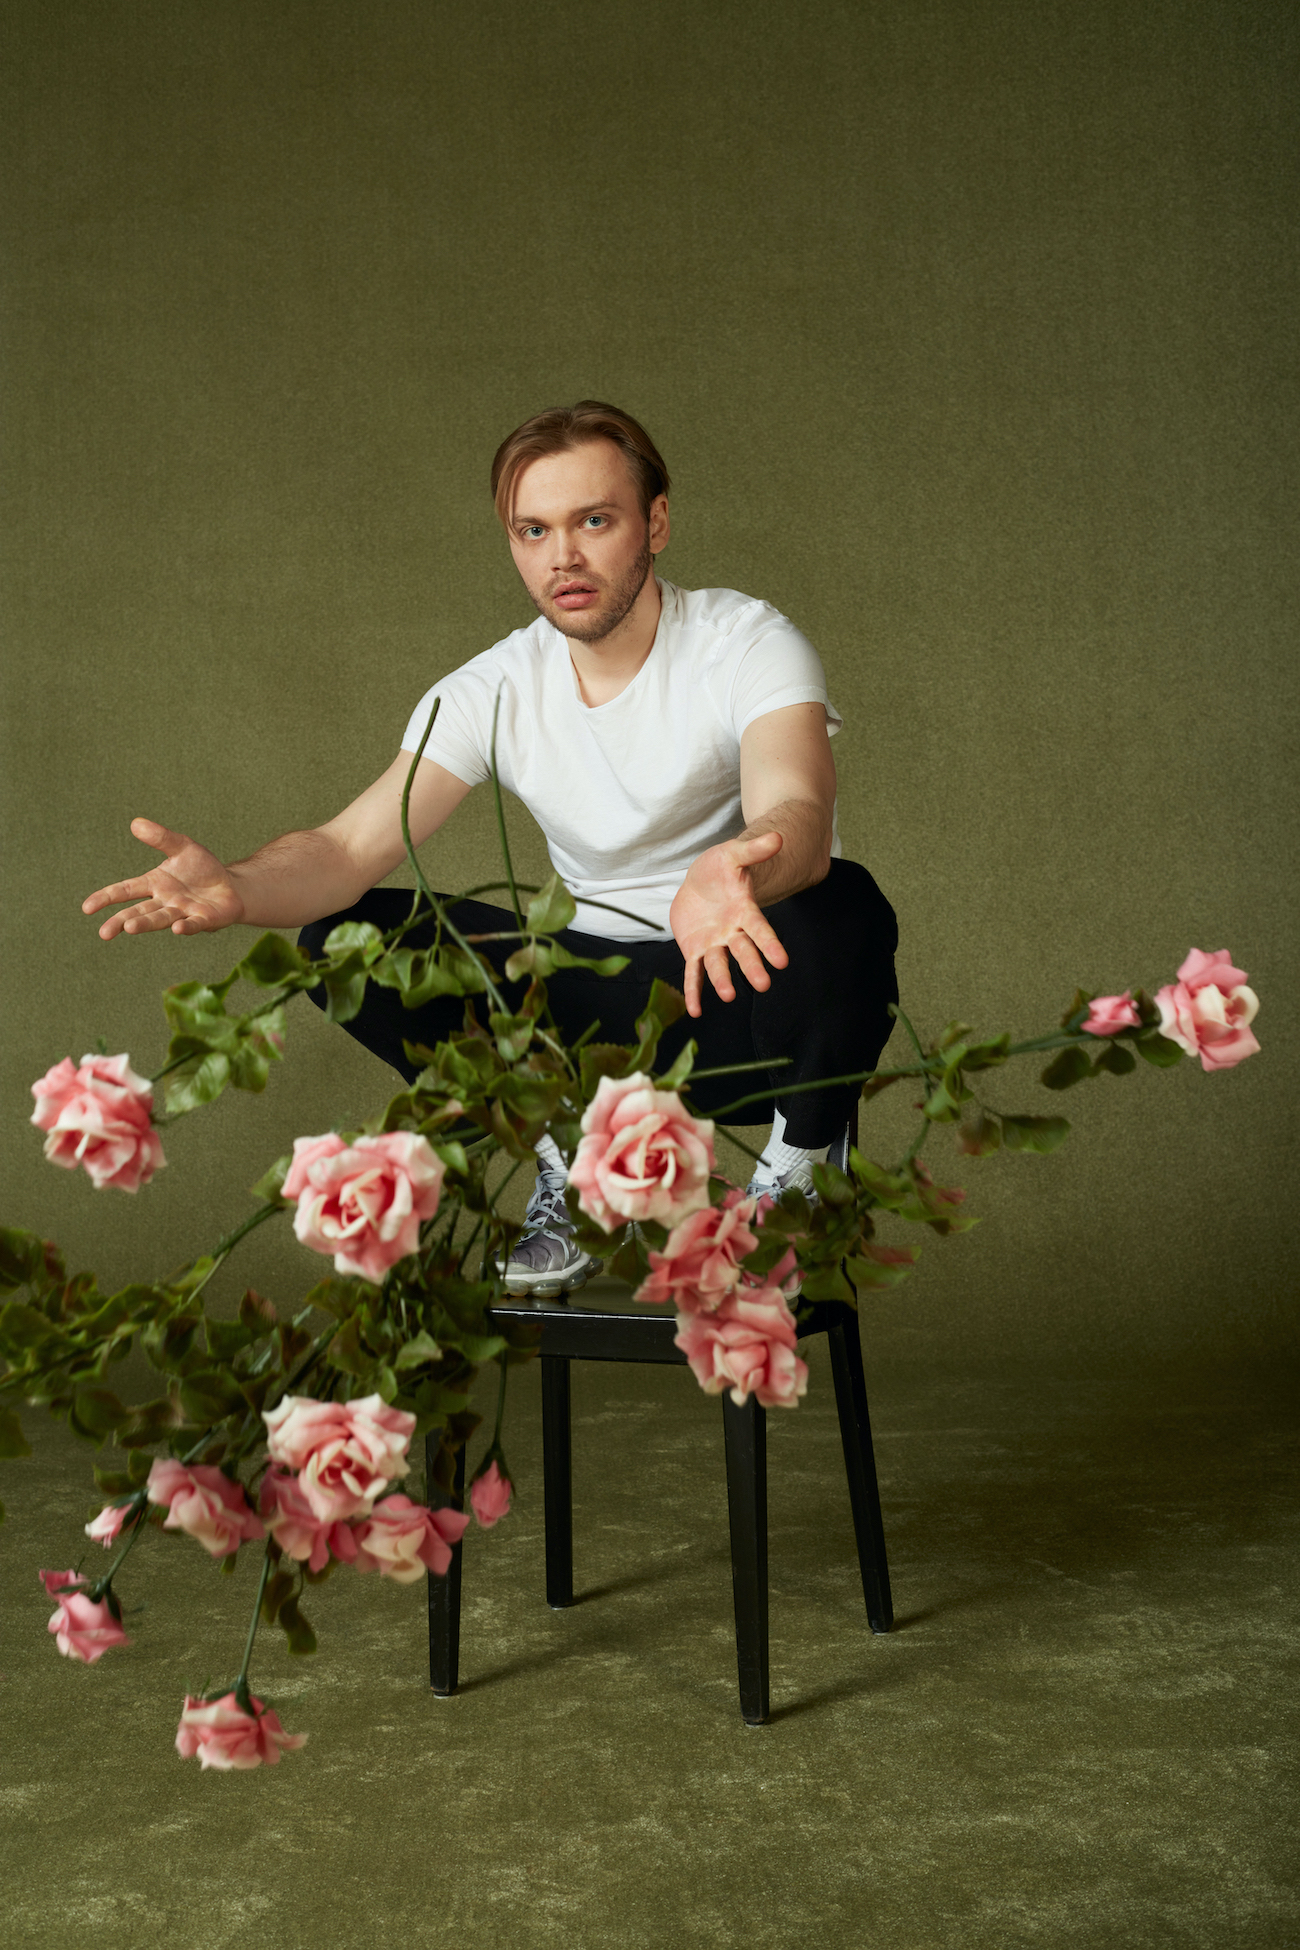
(512, 655)
(726, 612)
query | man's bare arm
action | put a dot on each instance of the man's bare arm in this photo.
(296, 878)
(787, 783)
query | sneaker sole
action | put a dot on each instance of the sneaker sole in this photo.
(544, 1286)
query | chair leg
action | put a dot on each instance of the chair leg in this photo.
(860, 1466)
(745, 1432)
(557, 1481)
(444, 1592)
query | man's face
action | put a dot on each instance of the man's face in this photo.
(580, 540)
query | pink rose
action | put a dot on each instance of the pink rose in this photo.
(296, 1528)
(403, 1540)
(203, 1502)
(700, 1264)
(223, 1735)
(363, 1202)
(489, 1496)
(106, 1525)
(1108, 1014)
(84, 1629)
(98, 1116)
(747, 1344)
(643, 1156)
(343, 1453)
(1207, 1012)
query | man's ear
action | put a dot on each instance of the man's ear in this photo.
(660, 527)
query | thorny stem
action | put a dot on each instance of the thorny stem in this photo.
(241, 1684)
(501, 816)
(227, 1245)
(423, 885)
(100, 1586)
(501, 1401)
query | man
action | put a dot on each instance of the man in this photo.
(674, 748)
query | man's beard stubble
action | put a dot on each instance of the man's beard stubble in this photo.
(581, 625)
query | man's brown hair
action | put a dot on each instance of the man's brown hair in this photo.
(564, 427)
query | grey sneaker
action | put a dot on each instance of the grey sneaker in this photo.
(801, 1177)
(545, 1261)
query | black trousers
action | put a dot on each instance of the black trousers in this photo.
(827, 1012)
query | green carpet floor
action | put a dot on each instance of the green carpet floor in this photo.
(1077, 1735)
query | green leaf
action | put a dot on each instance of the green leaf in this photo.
(302, 1639)
(272, 961)
(981, 1137)
(453, 1156)
(279, 1586)
(513, 1035)
(871, 1275)
(1116, 1058)
(271, 1183)
(954, 1032)
(414, 1352)
(551, 909)
(665, 1006)
(346, 1351)
(23, 1327)
(209, 1396)
(1041, 1134)
(985, 1055)
(112, 1482)
(675, 1078)
(200, 1081)
(833, 1187)
(945, 1097)
(560, 957)
(13, 1442)
(345, 990)
(97, 1413)
(353, 936)
(599, 1060)
(150, 1423)
(1070, 1066)
(1159, 1050)
(1078, 1009)
(227, 1338)
(22, 1257)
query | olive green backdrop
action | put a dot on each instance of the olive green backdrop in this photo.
(968, 333)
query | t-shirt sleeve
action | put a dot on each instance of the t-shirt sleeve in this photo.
(776, 667)
(457, 742)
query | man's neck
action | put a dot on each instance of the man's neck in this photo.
(606, 668)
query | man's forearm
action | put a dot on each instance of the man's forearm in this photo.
(805, 856)
(297, 878)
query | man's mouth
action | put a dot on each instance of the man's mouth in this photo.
(574, 595)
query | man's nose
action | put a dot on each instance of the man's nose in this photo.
(566, 547)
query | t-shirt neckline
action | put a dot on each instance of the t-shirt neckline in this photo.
(667, 597)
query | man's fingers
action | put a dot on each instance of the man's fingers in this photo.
(750, 962)
(763, 846)
(158, 836)
(718, 966)
(691, 987)
(766, 940)
(121, 890)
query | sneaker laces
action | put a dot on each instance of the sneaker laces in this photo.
(547, 1211)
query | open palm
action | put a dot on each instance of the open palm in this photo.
(191, 893)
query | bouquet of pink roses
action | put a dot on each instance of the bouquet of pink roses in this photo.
(293, 1433)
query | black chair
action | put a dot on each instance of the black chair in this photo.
(570, 1333)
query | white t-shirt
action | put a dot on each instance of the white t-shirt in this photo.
(630, 792)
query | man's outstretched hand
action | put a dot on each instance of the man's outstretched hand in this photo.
(191, 893)
(714, 915)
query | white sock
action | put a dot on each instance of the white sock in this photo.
(549, 1156)
(779, 1157)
